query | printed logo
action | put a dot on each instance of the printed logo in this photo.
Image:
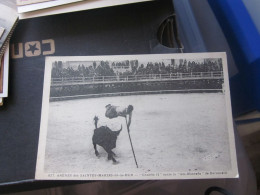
(33, 48)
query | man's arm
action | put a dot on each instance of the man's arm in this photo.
(129, 120)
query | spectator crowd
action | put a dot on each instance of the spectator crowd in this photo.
(105, 68)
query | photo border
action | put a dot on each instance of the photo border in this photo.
(40, 174)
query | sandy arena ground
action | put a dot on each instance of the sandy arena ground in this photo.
(170, 133)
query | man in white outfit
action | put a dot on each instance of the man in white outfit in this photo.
(115, 111)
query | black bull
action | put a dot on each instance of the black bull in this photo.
(106, 138)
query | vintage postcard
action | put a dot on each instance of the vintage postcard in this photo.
(31, 11)
(136, 117)
(2, 30)
(4, 71)
(44, 5)
(28, 2)
(1, 74)
(8, 17)
(8, 20)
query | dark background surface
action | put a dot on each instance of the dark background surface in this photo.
(130, 29)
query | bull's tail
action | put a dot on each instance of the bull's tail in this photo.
(96, 121)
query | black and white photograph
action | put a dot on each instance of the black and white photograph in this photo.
(131, 117)
(4, 73)
(8, 17)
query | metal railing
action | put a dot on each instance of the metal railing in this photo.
(135, 78)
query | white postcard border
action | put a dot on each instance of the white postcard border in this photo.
(40, 173)
(5, 73)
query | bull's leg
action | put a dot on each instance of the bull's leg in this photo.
(114, 160)
(113, 153)
(95, 147)
(111, 157)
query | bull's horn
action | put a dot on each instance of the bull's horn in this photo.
(118, 132)
(120, 128)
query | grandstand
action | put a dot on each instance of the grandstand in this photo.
(101, 79)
